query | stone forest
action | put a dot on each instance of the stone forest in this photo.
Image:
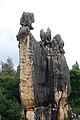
(44, 74)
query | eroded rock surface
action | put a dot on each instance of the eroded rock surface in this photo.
(44, 74)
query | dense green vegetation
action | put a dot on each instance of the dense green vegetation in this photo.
(9, 92)
(74, 98)
(10, 107)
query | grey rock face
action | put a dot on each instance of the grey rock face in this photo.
(23, 31)
(42, 35)
(60, 68)
(27, 19)
(76, 65)
(50, 79)
(48, 34)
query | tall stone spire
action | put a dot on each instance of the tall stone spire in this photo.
(44, 74)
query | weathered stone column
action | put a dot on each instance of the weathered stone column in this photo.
(26, 82)
(44, 74)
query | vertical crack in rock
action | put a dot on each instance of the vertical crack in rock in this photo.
(44, 74)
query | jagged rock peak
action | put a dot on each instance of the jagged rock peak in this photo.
(48, 34)
(42, 35)
(76, 65)
(27, 19)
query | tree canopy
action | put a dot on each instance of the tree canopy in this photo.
(74, 98)
(10, 107)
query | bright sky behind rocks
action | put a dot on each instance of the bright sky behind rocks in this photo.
(62, 16)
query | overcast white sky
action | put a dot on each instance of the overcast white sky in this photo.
(62, 16)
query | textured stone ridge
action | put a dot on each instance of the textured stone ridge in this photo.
(44, 74)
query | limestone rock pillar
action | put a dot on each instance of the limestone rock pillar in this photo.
(44, 74)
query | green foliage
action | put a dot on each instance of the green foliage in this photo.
(76, 110)
(10, 107)
(8, 67)
(74, 98)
